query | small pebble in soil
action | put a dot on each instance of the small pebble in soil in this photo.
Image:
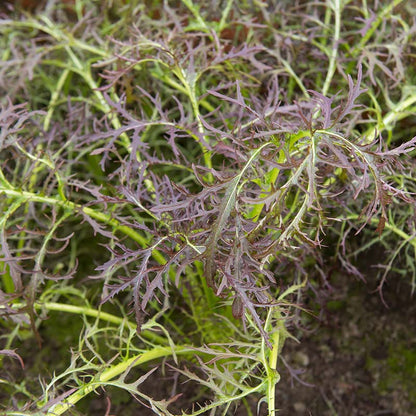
(299, 407)
(301, 358)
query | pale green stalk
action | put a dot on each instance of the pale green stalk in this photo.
(391, 117)
(336, 6)
(95, 313)
(54, 98)
(97, 215)
(112, 372)
(189, 81)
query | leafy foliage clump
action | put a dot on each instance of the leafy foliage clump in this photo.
(197, 166)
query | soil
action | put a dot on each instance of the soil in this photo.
(361, 359)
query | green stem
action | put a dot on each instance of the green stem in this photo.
(270, 364)
(54, 98)
(97, 215)
(334, 51)
(112, 372)
(94, 313)
(189, 85)
(390, 117)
